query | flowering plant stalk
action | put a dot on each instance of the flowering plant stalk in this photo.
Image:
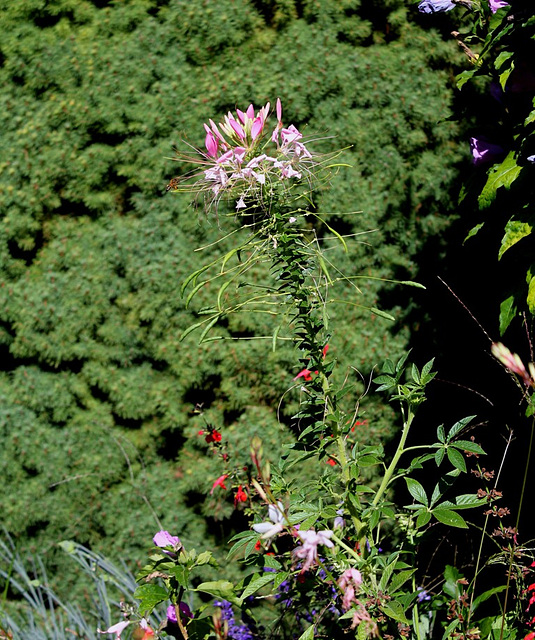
(335, 555)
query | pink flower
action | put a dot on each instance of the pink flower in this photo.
(497, 4)
(308, 551)
(185, 612)
(513, 362)
(279, 112)
(210, 142)
(165, 539)
(349, 582)
(220, 482)
(256, 127)
(290, 135)
(117, 629)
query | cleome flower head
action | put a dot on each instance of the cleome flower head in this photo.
(247, 159)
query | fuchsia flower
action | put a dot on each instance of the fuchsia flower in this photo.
(308, 551)
(185, 612)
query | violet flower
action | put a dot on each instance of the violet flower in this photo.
(497, 4)
(484, 152)
(308, 551)
(435, 6)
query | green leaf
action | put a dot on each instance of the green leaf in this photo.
(488, 594)
(441, 434)
(456, 458)
(382, 314)
(181, 573)
(473, 231)
(531, 295)
(501, 176)
(395, 610)
(150, 595)
(219, 589)
(400, 579)
(458, 427)
(308, 634)
(439, 456)
(468, 445)
(449, 517)
(423, 518)
(508, 311)
(257, 583)
(417, 491)
(515, 230)
(468, 501)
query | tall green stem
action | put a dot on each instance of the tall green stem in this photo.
(393, 464)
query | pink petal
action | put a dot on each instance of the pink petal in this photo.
(211, 145)
(279, 111)
(250, 112)
(257, 127)
(237, 128)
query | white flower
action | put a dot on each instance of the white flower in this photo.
(271, 529)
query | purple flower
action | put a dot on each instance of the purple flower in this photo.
(234, 631)
(423, 595)
(497, 4)
(484, 152)
(185, 612)
(435, 6)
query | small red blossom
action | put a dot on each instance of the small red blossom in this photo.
(530, 636)
(325, 349)
(258, 545)
(241, 496)
(220, 482)
(214, 436)
(306, 374)
(359, 423)
(332, 462)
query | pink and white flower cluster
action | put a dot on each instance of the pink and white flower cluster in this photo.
(245, 156)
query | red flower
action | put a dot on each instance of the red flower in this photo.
(331, 462)
(220, 482)
(213, 436)
(325, 349)
(306, 374)
(530, 636)
(241, 496)
(258, 545)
